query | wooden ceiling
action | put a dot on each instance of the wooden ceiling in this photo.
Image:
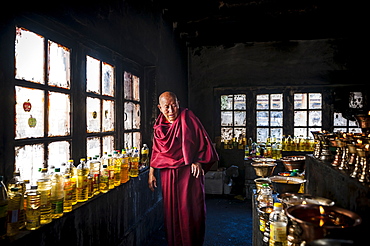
(225, 22)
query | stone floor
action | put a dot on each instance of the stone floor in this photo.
(229, 222)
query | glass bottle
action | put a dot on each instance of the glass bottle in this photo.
(134, 169)
(33, 208)
(124, 167)
(104, 176)
(278, 226)
(3, 208)
(44, 187)
(144, 156)
(67, 189)
(16, 181)
(116, 161)
(264, 196)
(14, 205)
(57, 194)
(81, 182)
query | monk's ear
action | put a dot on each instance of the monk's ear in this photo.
(159, 107)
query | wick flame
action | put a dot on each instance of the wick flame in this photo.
(304, 202)
(367, 146)
(322, 212)
(368, 113)
(344, 135)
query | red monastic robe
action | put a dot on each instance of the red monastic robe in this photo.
(175, 147)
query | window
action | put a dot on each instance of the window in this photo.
(43, 103)
(307, 113)
(132, 111)
(100, 107)
(269, 117)
(342, 124)
(233, 117)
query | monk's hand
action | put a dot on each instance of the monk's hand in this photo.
(196, 169)
(152, 181)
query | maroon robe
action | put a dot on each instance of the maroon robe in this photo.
(175, 147)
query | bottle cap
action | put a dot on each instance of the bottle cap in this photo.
(278, 205)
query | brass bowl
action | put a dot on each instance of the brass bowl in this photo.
(283, 184)
(294, 162)
(260, 181)
(292, 199)
(263, 169)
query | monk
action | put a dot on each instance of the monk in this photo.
(183, 152)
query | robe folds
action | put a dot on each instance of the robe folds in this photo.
(175, 147)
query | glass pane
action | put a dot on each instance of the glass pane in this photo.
(92, 75)
(314, 118)
(300, 132)
(59, 65)
(58, 153)
(276, 118)
(340, 129)
(276, 101)
(129, 107)
(226, 102)
(137, 140)
(262, 134)
(277, 133)
(240, 118)
(355, 130)
(240, 132)
(136, 87)
(314, 130)
(300, 118)
(136, 116)
(352, 123)
(93, 114)
(59, 114)
(28, 159)
(127, 83)
(29, 56)
(108, 144)
(300, 101)
(108, 115)
(315, 100)
(240, 102)
(355, 100)
(108, 79)
(128, 140)
(93, 146)
(29, 109)
(263, 101)
(339, 120)
(226, 118)
(226, 133)
(262, 118)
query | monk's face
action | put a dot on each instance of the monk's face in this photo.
(169, 106)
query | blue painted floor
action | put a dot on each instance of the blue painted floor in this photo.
(229, 222)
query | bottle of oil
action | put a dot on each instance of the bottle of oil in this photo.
(71, 170)
(3, 208)
(67, 189)
(144, 162)
(278, 226)
(111, 172)
(81, 184)
(134, 169)
(124, 167)
(95, 174)
(14, 206)
(289, 144)
(104, 176)
(116, 161)
(16, 181)
(57, 194)
(44, 187)
(33, 209)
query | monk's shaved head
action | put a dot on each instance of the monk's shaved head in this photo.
(169, 105)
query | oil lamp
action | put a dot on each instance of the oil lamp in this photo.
(364, 154)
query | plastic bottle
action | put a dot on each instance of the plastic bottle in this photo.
(57, 194)
(110, 172)
(144, 162)
(16, 181)
(81, 184)
(33, 209)
(246, 152)
(134, 169)
(104, 176)
(3, 208)
(289, 143)
(14, 205)
(95, 173)
(116, 161)
(72, 171)
(124, 167)
(264, 196)
(44, 187)
(278, 226)
(67, 189)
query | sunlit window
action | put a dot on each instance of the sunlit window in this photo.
(233, 117)
(100, 106)
(43, 103)
(307, 113)
(342, 124)
(269, 116)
